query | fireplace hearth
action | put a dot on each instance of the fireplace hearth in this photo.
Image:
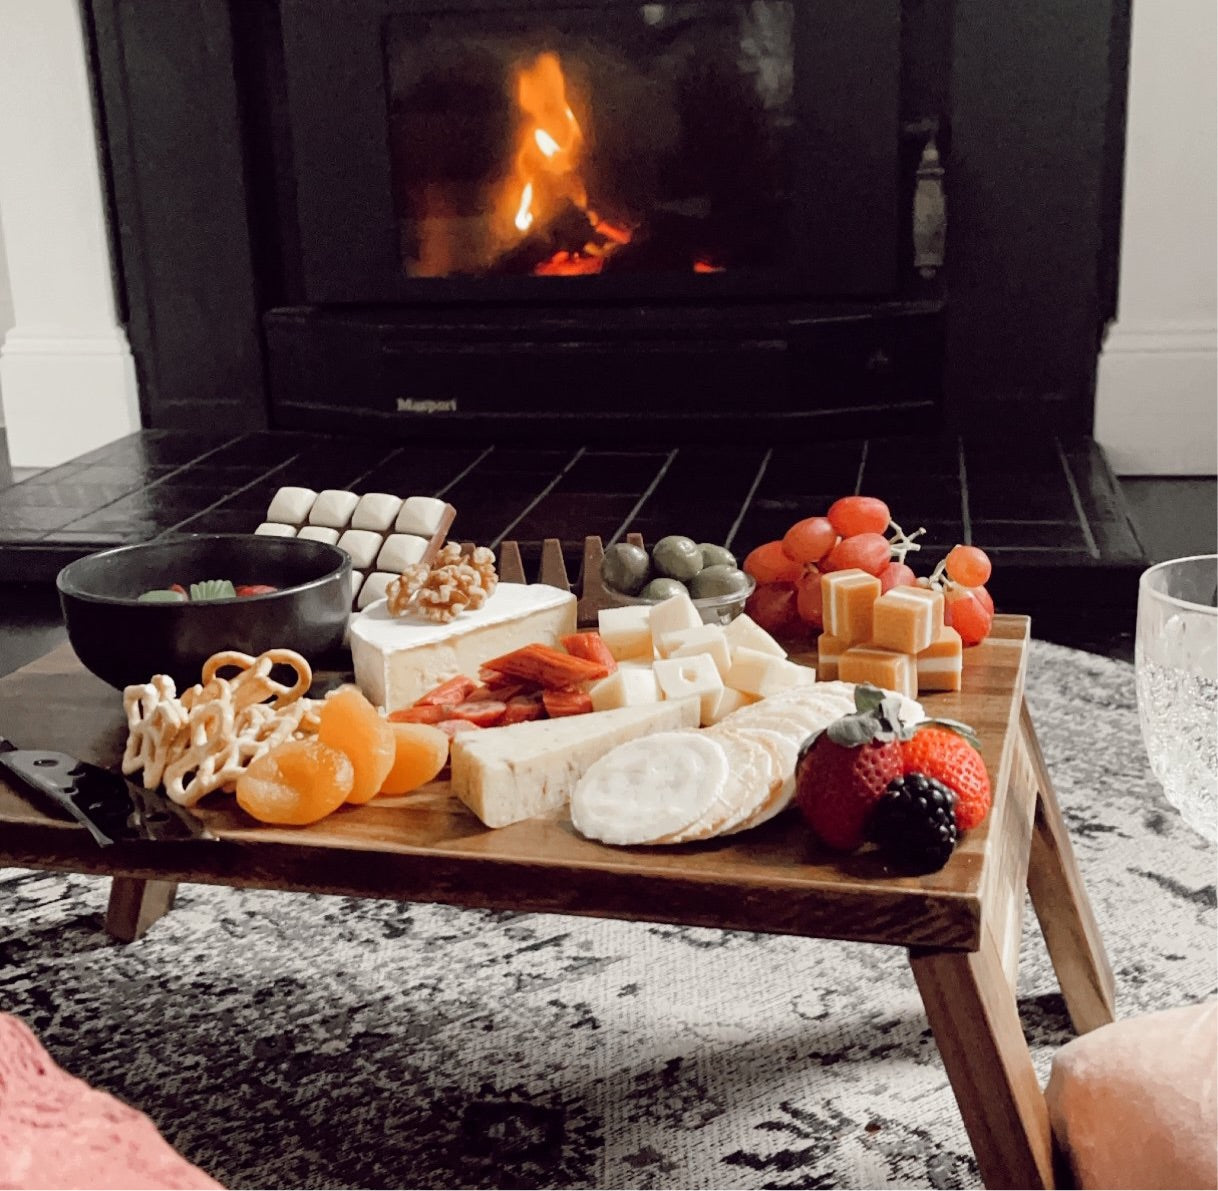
(550, 221)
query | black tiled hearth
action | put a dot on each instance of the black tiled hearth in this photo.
(1050, 513)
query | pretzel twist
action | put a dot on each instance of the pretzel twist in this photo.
(204, 740)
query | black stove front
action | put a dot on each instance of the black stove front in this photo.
(582, 220)
(518, 218)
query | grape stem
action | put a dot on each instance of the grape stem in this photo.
(903, 543)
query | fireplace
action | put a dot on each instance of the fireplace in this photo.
(555, 220)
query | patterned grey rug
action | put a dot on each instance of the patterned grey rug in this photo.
(282, 1040)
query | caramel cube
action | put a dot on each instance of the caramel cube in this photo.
(907, 619)
(848, 599)
(881, 667)
(941, 667)
(829, 651)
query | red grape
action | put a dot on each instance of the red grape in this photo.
(968, 566)
(965, 613)
(772, 605)
(897, 574)
(869, 552)
(809, 600)
(983, 598)
(809, 540)
(852, 515)
(770, 564)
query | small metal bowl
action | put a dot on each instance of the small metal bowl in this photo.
(713, 609)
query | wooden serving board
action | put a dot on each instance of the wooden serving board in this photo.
(426, 846)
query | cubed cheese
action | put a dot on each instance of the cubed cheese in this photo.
(399, 658)
(676, 612)
(729, 700)
(627, 686)
(762, 674)
(881, 667)
(848, 598)
(907, 619)
(626, 630)
(744, 630)
(691, 677)
(524, 770)
(706, 638)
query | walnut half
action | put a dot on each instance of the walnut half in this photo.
(451, 584)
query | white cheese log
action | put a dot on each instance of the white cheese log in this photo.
(399, 658)
(524, 770)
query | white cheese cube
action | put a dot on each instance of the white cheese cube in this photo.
(744, 630)
(399, 658)
(374, 588)
(363, 545)
(691, 677)
(319, 533)
(627, 686)
(376, 511)
(400, 551)
(626, 631)
(730, 700)
(706, 638)
(670, 615)
(762, 674)
(333, 508)
(272, 529)
(290, 506)
(420, 515)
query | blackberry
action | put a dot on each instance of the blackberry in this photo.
(914, 822)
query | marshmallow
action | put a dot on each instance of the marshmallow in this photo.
(420, 515)
(319, 533)
(362, 544)
(357, 581)
(374, 588)
(290, 506)
(333, 508)
(399, 551)
(269, 529)
(376, 511)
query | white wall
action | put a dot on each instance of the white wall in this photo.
(6, 304)
(66, 369)
(1157, 401)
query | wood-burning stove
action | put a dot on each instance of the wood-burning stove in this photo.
(572, 219)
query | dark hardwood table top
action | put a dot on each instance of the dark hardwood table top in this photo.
(426, 846)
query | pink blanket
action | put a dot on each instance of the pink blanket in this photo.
(56, 1131)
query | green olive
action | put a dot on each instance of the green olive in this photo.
(715, 556)
(676, 557)
(662, 589)
(625, 568)
(718, 581)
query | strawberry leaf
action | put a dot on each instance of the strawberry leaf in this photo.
(867, 698)
(851, 731)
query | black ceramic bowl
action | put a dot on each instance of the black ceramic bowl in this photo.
(124, 641)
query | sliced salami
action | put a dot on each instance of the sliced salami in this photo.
(650, 788)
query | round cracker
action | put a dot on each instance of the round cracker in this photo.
(650, 788)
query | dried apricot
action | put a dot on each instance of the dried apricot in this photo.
(352, 725)
(422, 751)
(295, 783)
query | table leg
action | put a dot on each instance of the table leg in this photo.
(1062, 907)
(975, 1020)
(135, 905)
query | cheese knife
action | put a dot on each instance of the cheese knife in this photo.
(111, 808)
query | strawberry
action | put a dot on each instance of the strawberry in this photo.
(844, 770)
(943, 753)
